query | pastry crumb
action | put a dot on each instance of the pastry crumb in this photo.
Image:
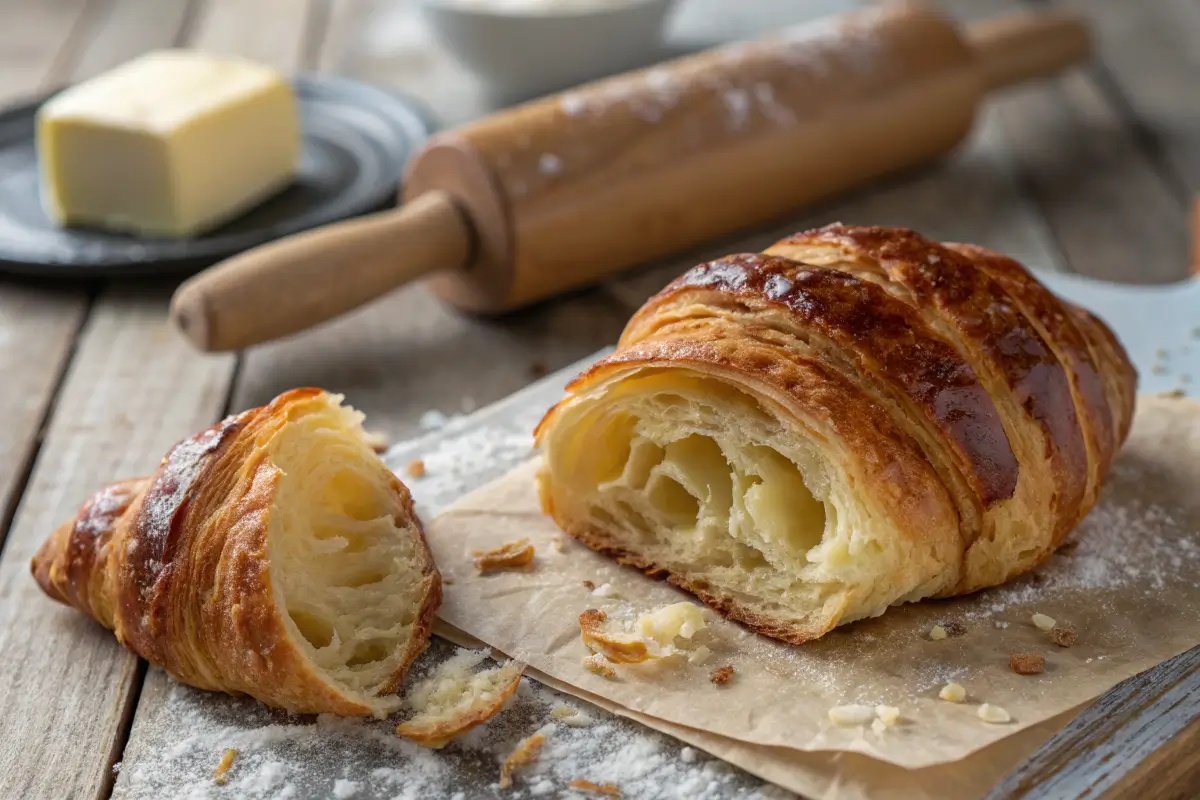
(538, 369)
(676, 621)
(1043, 622)
(851, 715)
(1000, 625)
(415, 468)
(878, 726)
(721, 675)
(1161, 353)
(953, 692)
(699, 655)
(589, 586)
(1158, 369)
(994, 714)
(447, 580)
(606, 590)
(379, 442)
(1173, 394)
(511, 555)
(602, 789)
(560, 544)
(954, 628)
(616, 647)
(1063, 635)
(888, 715)
(598, 665)
(453, 700)
(937, 633)
(571, 717)
(221, 773)
(1027, 663)
(525, 753)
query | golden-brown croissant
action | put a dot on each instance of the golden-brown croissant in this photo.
(855, 418)
(272, 555)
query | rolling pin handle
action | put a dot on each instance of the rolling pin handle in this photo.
(1028, 45)
(305, 279)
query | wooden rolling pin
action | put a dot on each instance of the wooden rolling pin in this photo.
(563, 191)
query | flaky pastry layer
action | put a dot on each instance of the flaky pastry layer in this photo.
(272, 555)
(855, 418)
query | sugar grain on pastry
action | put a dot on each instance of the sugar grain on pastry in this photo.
(853, 419)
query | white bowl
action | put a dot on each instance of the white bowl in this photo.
(525, 49)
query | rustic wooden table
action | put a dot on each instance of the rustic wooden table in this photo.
(1092, 173)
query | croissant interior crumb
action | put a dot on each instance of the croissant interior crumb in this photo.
(340, 555)
(700, 477)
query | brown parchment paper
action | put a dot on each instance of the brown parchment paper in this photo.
(1128, 582)
(832, 775)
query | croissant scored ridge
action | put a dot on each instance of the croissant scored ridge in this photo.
(272, 555)
(854, 418)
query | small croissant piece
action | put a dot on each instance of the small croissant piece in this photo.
(854, 418)
(272, 555)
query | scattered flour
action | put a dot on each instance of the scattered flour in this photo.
(293, 757)
(572, 104)
(343, 789)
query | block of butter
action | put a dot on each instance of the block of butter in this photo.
(171, 144)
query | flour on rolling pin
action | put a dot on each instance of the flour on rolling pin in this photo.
(819, 47)
(641, 165)
(774, 82)
(563, 191)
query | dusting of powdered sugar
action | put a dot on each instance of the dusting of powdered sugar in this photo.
(179, 741)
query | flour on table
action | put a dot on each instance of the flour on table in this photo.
(295, 757)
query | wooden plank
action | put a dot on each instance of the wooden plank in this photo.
(1148, 52)
(128, 30)
(387, 42)
(37, 43)
(1142, 739)
(269, 32)
(1112, 210)
(132, 389)
(37, 323)
(406, 353)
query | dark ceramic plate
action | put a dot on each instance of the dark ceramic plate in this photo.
(357, 140)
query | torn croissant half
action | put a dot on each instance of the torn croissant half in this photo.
(272, 555)
(855, 418)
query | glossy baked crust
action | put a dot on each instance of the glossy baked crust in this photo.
(254, 561)
(898, 419)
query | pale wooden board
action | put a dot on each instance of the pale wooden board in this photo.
(406, 354)
(132, 389)
(1111, 209)
(37, 42)
(270, 31)
(1142, 739)
(402, 55)
(1148, 50)
(37, 322)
